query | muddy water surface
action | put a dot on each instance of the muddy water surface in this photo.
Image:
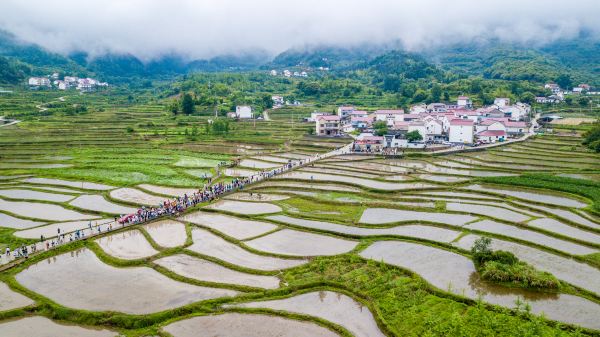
(212, 245)
(17, 223)
(246, 325)
(331, 306)
(99, 204)
(42, 211)
(77, 184)
(35, 195)
(80, 280)
(297, 243)
(167, 233)
(491, 211)
(129, 245)
(38, 326)
(51, 231)
(243, 207)
(10, 299)
(235, 227)
(204, 270)
(135, 196)
(376, 216)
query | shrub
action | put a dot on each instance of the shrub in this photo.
(504, 267)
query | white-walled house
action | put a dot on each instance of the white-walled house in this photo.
(243, 111)
(39, 81)
(418, 126)
(434, 129)
(515, 128)
(345, 110)
(492, 136)
(389, 116)
(461, 131)
(464, 101)
(502, 102)
(277, 100)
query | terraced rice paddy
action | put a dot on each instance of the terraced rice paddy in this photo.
(203, 270)
(296, 243)
(97, 203)
(167, 233)
(246, 325)
(456, 273)
(135, 196)
(235, 227)
(208, 244)
(352, 246)
(242, 207)
(42, 327)
(129, 245)
(100, 287)
(334, 307)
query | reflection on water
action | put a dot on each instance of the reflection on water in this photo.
(485, 288)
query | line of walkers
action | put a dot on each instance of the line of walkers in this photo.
(166, 208)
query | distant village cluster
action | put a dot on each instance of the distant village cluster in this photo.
(68, 82)
(558, 94)
(288, 73)
(436, 123)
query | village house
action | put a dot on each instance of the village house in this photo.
(243, 111)
(328, 125)
(389, 116)
(369, 143)
(553, 87)
(315, 114)
(287, 73)
(502, 102)
(273, 72)
(277, 100)
(361, 122)
(344, 111)
(61, 85)
(491, 136)
(461, 131)
(418, 126)
(39, 82)
(464, 101)
(434, 129)
(582, 88)
(437, 107)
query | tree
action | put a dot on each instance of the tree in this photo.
(528, 97)
(267, 101)
(592, 137)
(414, 136)
(380, 128)
(420, 96)
(583, 101)
(173, 107)
(436, 92)
(568, 100)
(446, 96)
(187, 104)
(564, 81)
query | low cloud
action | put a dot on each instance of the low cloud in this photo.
(206, 28)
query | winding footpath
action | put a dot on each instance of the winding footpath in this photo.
(21, 254)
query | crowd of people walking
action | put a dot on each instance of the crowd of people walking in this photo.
(172, 207)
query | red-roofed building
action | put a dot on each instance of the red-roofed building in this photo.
(328, 125)
(492, 136)
(461, 131)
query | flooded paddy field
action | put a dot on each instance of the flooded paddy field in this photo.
(456, 273)
(531, 236)
(204, 270)
(52, 230)
(80, 280)
(38, 326)
(129, 245)
(97, 203)
(12, 300)
(243, 207)
(334, 307)
(235, 227)
(170, 191)
(34, 195)
(44, 211)
(377, 216)
(212, 245)
(279, 249)
(17, 223)
(296, 243)
(135, 196)
(246, 325)
(167, 233)
(77, 184)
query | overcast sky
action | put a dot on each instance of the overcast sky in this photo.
(205, 28)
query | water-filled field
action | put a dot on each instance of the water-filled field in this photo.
(349, 245)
